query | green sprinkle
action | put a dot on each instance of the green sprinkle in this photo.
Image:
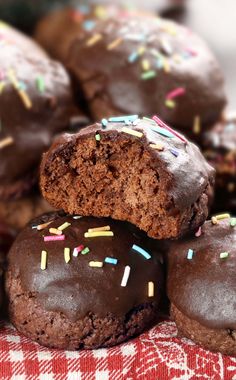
(224, 255)
(97, 137)
(148, 75)
(233, 222)
(85, 251)
(40, 84)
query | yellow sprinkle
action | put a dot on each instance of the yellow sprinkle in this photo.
(105, 228)
(145, 65)
(132, 132)
(96, 264)
(94, 39)
(55, 231)
(100, 12)
(114, 44)
(141, 50)
(43, 260)
(197, 125)
(67, 255)
(12, 77)
(166, 65)
(214, 220)
(98, 234)
(64, 226)
(25, 99)
(42, 226)
(170, 103)
(6, 142)
(222, 216)
(158, 146)
(151, 289)
(2, 85)
(3, 25)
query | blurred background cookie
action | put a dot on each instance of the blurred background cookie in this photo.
(219, 148)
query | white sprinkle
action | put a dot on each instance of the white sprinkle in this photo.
(125, 276)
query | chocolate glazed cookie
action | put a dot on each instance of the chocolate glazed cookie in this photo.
(129, 169)
(141, 64)
(202, 285)
(82, 282)
(35, 104)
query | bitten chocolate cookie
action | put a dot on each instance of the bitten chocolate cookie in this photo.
(139, 64)
(18, 213)
(202, 285)
(82, 282)
(219, 148)
(129, 169)
(36, 103)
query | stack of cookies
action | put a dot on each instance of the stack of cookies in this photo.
(133, 193)
(92, 275)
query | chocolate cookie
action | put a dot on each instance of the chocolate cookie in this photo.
(219, 148)
(7, 236)
(36, 103)
(18, 213)
(82, 282)
(202, 285)
(139, 64)
(129, 169)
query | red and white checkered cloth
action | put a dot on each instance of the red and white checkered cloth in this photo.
(155, 355)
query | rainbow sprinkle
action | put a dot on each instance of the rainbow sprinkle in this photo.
(199, 232)
(150, 289)
(125, 276)
(105, 228)
(40, 83)
(40, 227)
(141, 251)
(67, 255)
(94, 39)
(104, 123)
(123, 119)
(148, 75)
(77, 250)
(174, 93)
(96, 264)
(111, 260)
(6, 142)
(43, 265)
(55, 231)
(97, 137)
(175, 152)
(197, 125)
(54, 238)
(85, 251)
(98, 234)
(158, 146)
(224, 255)
(190, 254)
(115, 43)
(233, 222)
(64, 226)
(132, 132)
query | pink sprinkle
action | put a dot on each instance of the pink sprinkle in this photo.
(199, 232)
(177, 92)
(164, 125)
(191, 51)
(54, 238)
(79, 249)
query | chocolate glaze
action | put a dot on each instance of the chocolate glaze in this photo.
(190, 173)
(76, 289)
(219, 148)
(7, 236)
(109, 78)
(204, 288)
(32, 129)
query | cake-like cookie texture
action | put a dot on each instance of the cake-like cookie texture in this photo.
(138, 64)
(201, 285)
(219, 148)
(36, 103)
(82, 282)
(140, 171)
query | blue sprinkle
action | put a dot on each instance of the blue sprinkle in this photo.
(89, 25)
(125, 119)
(84, 9)
(159, 63)
(110, 260)
(190, 254)
(133, 57)
(230, 127)
(22, 86)
(104, 123)
(174, 152)
(141, 251)
(162, 131)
